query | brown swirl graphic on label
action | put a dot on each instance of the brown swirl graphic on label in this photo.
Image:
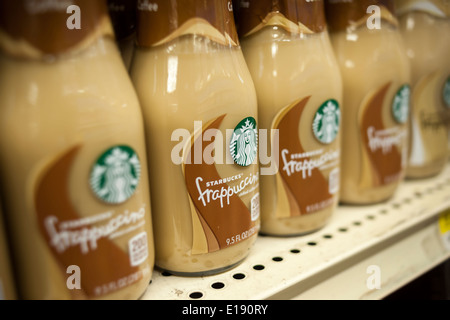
(100, 260)
(218, 212)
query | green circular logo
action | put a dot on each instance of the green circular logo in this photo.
(115, 175)
(244, 142)
(327, 121)
(446, 93)
(400, 105)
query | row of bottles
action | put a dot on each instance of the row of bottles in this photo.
(201, 135)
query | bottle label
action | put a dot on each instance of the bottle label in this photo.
(342, 14)
(94, 242)
(161, 21)
(437, 8)
(225, 209)
(38, 28)
(298, 16)
(115, 175)
(383, 137)
(429, 121)
(308, 175)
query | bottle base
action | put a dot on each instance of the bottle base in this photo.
(290, 234)
(416, 173)
(370, 196)
(194, 274)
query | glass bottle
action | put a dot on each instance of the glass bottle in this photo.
(376, 77)
(425, 28)
(73, 166)
(200, 112)
(299, 88)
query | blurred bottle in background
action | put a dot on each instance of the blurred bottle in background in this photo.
(376, 77)
(299, 88)
(425, 28)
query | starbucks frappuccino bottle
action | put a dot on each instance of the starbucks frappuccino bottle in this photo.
(8, 289)
(299, 89)
(376, 78)
(73, 166)
(425, 27)
(200, 112)
(123, 17)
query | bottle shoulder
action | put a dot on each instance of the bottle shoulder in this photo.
(96, 74)
(365, 45)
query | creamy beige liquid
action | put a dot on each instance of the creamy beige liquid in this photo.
(191, 79)
(87, 100)
(285, 68)
(7, 285)
(369, 59)
(427, 41)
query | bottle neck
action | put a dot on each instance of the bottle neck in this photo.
(298, 16)
(161, 21)
(342, 15)
(40, 28)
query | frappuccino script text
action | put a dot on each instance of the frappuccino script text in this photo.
(63, 238)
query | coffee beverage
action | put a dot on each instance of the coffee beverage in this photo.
(299, 88)
(200, 111)
(73, 166)
(7, 285)
(425, 27)
(376, 78)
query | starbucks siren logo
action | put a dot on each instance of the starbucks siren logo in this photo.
(446, 93)
(244, 142)
(326, 122)
(400, 106)
(115, 175)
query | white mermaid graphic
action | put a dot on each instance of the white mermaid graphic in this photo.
(244, 143)
(400, 107)
(326, 122)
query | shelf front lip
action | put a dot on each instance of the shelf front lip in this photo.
(361, 259)
(314, 266)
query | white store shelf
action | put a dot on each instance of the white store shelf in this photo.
(393, 242)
